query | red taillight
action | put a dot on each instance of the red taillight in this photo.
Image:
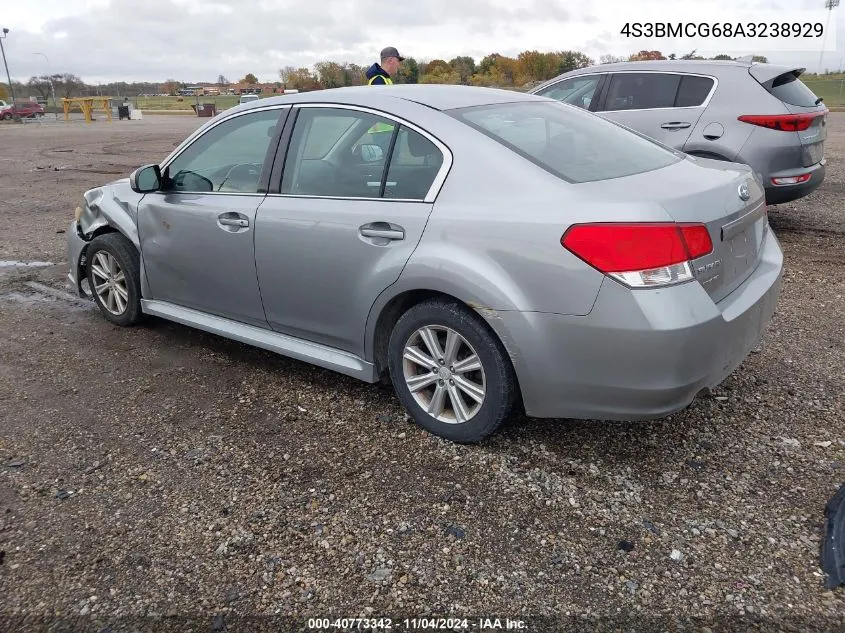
(791, 180)
(697, 240)
(642, 254)
(782, 122)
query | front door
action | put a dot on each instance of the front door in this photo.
(197, 232)
(349, 211)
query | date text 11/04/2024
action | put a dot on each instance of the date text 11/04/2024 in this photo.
(722, 29)
(416, 624)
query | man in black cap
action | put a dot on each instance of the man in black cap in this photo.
(380, 74)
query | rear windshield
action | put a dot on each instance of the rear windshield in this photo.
(573, 144)
(789, 89)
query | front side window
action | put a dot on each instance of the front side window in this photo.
(227, 158)
(338, 152)
(574, 145)
(577, 91)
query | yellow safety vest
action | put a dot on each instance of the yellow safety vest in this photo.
(380, 127)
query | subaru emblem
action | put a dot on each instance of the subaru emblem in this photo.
(744, 194)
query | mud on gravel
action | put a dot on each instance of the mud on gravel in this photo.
(160, 472)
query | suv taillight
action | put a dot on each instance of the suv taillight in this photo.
(783, 122)
(640, 255)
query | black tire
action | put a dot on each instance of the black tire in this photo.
(126, 256)
(499, 380)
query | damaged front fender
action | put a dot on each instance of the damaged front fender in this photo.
(112, 207)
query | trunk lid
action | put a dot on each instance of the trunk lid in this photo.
(701, 190)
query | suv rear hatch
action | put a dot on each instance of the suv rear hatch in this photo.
(807, 115)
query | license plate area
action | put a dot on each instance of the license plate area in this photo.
(742, 251)
(813, 153)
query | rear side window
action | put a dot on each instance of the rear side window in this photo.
(789, 89)
(639, 91)
(693, 91)
(569, 142)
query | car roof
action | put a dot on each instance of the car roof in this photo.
(709, 66)
(692, 65)
(436, 96)
(713, 66)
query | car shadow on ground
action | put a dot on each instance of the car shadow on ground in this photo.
(674, 439)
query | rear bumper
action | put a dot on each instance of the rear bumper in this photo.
(779, 194)
(639, 354)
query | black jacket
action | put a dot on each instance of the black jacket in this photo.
(379, 73)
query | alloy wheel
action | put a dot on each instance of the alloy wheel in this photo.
(110, 283)
(444, 374)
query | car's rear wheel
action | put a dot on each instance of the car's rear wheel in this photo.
(114, 278)
(450, 371)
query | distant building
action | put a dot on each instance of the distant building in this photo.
(256, 89)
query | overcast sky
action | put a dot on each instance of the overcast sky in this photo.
(193, 40)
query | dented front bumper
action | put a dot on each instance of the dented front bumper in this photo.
(76, 246)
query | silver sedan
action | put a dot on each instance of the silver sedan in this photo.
(487, 251)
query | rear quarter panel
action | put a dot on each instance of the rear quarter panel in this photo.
(737, 94)
(493, 237)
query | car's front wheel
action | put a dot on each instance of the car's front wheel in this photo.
(450, 372)
(114, 278)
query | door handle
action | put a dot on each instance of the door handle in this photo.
(382, 230)
(675, 125)
(232, 219)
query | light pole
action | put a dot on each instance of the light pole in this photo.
(50, 79)
(15, 114)
(830, 5)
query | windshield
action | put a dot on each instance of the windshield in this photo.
(573, 144)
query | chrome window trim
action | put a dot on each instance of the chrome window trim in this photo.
(352, 198)
(703, 105)
(436, 184)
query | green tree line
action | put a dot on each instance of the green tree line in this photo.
(495, 70)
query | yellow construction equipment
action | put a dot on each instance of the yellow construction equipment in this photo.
(86, 104)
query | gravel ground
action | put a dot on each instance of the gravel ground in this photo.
(164, 472)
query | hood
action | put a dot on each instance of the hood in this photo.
(374, 70)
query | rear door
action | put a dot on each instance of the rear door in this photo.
(663, 105)
(342, 220)
(783, 83)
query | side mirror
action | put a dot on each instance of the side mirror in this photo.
(145, 179)
(371, 153)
